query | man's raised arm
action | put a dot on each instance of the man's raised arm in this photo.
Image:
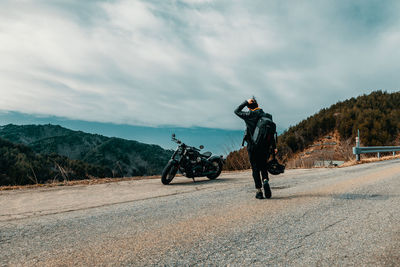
(240, 113)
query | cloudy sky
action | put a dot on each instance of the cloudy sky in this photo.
(190, 63)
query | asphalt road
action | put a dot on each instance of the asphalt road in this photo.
(319, 217)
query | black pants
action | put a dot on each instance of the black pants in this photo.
(258, 160)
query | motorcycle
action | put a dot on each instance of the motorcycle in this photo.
(191, 163)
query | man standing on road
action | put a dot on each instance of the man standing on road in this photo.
(258, 154)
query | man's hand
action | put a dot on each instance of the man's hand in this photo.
(249, 101)
(276, 150)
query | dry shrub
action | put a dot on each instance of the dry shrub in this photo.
(345, 151)
(237, 160)
(305, 163)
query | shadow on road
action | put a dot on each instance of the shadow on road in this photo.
(361, 196)
(345, 196)
(190, 182)
(299, 196)
(280, 187)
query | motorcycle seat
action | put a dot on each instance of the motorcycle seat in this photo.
(206, 154)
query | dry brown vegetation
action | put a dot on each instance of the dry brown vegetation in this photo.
(76, 182)
(328, 148)
(237, 160)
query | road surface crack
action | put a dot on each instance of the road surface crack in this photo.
(310, 234)
(333, 224)
(293, 248)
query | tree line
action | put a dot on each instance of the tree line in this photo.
(376, 115)
(20, 165)
(125, 158)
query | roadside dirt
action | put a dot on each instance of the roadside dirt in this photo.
(42, 200)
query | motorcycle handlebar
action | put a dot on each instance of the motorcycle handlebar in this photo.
(179, 142)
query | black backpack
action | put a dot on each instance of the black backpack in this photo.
(264, 131)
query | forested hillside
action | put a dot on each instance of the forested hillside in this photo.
(20, 165)
(122, 157)
(376, 115)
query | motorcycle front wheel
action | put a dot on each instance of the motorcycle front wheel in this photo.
(218, 169)
(169, 173)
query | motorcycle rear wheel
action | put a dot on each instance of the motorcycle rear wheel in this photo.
(218, 165)
(169, 173)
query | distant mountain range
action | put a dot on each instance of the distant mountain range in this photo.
(42, 148)
(218, 141)
(122, 157)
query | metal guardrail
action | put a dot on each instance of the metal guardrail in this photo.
(357, 150)
(375, 149)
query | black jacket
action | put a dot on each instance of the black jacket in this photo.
(251, 118)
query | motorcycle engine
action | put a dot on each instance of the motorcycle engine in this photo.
(195, 163)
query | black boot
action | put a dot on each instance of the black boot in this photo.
(267, 189)
(259, 195)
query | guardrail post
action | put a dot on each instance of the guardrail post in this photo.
(358, 144)
(379, 155)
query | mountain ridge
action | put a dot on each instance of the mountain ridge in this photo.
(216, 140)
(376, 115)
(20, 165)
(123, 157)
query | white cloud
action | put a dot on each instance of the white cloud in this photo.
(191, 62)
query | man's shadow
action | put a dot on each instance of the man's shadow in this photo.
(189, 181)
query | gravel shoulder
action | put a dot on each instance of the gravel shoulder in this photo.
(341, 216)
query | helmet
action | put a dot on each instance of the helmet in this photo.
(274, 167)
